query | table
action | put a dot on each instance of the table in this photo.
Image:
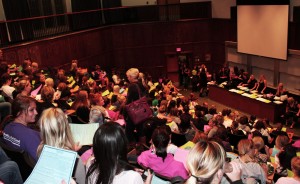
(251, 106)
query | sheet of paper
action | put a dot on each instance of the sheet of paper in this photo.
(36, 91)
(53, 166)
(84, 133)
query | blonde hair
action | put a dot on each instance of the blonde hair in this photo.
(258, 142)
(133, 74)
(245, 146)
(55, 130)
(204, 161)
(49, 82)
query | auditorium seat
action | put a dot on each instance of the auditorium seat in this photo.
(25, 162)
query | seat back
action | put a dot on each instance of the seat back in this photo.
(25, 162)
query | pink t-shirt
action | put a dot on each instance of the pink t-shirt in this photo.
(169, 167)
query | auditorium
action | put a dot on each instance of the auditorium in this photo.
(149, 91)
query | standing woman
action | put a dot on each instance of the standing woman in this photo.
(55, 131)
(110, 164)
(135, 91)
(16, 133)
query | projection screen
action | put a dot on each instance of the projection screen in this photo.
(262, 28)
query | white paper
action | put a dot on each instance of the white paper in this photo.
(53, 166)
(84, 133)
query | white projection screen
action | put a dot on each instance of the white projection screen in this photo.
(262, 28)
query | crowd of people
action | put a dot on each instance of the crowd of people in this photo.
(182, 138)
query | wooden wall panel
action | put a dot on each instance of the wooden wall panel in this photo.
(130, 45)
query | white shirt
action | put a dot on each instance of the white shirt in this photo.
(287, 180)
(227, 123)
(128, 177)
(8, 90)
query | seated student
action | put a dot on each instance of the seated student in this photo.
(159, 160)
(110, 163)
(17, 134)
(206, 164)
(261, 156)
(222, 134)
(47, 94)
(280, 142)
(185, 118)
(251, 170)
(64, 97)
(295, 162)
(211, 112)
(9, 170)
(55, 131)
(199, 121)
(282, 160)
(292, 112)
(6, 81)
(23, 88)
(244, 125)
(260, 127)
(97, 115)
(214, 124)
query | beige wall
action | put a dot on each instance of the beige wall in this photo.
(221, 8)
(275, 70)
(2, 15)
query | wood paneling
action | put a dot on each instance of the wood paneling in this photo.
(140, 45)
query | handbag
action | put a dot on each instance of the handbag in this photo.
(139, 110)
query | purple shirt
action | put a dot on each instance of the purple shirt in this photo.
(19, 136)
(169, 167)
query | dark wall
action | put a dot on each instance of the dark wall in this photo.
(142, 45)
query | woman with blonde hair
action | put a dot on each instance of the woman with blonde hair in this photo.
(251, 171)
(206, 164)
(136, 90)
(49, 82)
(55, 131)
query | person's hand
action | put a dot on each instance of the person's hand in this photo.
(77, 146)
(236, 172)
(140, 171)
(72, 181)
(149, 177)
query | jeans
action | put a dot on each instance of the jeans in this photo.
(9, 170)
